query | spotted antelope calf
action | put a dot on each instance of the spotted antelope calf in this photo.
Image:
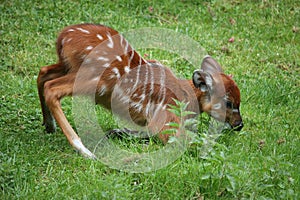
(95, 60)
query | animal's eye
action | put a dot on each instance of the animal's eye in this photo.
(229, 104)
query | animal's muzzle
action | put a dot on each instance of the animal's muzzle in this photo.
(238, 125)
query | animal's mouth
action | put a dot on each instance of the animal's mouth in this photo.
(238, 127)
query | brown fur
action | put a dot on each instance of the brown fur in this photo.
(74, 46)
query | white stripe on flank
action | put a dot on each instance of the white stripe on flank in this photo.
(110, 40)
(102, 90)
(142, 97)
(151, 81)
(83, 30)
(70, 30)
(137, 77)
(131, 57)
(121, 40)
(137, 106)
(145, 83)
(125, 99)
(126, 47)
(162, 90)
(147, 108)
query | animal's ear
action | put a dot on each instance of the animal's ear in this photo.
(202, 80)
(210, 65)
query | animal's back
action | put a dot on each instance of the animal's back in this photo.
(75, 42)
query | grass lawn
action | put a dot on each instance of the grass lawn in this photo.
(260, 162)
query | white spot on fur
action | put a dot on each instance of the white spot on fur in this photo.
(70, 30)
(68, 40)
(116, 71)
(96, 79)
(102, 58)
(127, 69)
(89, 48)
(83, 30)
(99, 37)
(235, 110)
(106, 65)
(142, 97)
(119, 58)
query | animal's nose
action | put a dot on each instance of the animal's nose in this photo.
(238, 125)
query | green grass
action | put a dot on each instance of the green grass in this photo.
(261, 162)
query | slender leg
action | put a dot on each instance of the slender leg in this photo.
(48, 73)
(55, 90)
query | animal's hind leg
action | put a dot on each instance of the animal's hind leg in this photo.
(48, 73)
(54, 91)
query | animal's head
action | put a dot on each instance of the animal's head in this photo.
(220, 95)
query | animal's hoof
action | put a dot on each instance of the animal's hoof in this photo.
(77, 144)
(50, 128)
